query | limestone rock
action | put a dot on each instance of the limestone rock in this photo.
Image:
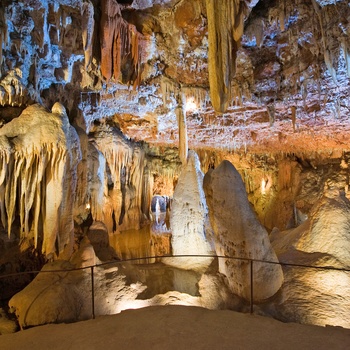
(39, 152)
(315, 295)
(7, 326)
(328, 231)
(239, 234)
(65, 296)
(188, 218)
(120, 48)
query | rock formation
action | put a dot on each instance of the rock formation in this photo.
(120, 47)
(59, 295)
(316, 295)
(188, 219)
(39, 156)
(225, 28)
(277, 74)
(328, 229)
(239, 234)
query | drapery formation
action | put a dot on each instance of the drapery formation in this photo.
(38, 156)
(120, 46)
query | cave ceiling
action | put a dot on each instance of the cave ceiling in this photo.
(289, 91)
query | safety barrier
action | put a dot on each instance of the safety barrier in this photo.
(250, 261)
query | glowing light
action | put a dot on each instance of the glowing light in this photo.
(191, 106)
(87, 206)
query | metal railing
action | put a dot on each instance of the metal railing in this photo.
(249, 260)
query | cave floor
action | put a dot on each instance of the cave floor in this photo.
(178, 327)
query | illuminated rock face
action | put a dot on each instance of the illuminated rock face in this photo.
(239, 234)
(309, 295)
(66, 296)
(39, 153)
(328, 231)
(188, 218)
(54, 297)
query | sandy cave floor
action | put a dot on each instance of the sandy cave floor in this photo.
(178, 327)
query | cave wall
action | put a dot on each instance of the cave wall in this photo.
(282, 188)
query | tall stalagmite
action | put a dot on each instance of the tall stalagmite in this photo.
(239, 234)
(225, 28)
(189, 217)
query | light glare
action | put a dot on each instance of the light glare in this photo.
(191, 106)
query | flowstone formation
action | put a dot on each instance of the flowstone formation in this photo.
(238, 233)
(39, 153)
(320, 295)
(120, 46)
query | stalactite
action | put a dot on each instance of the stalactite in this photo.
(294, 117)
(225, 28)
(346, 52)
(199, 96)
(120, 206)
(88, 23)
(271, 111)
(326, 52)
(328, 60)
(3, 34)
(120, 46)
(168, 88)
(38, 149)
(259, 32)
(282, 14)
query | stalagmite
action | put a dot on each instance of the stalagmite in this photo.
(239, 234)
(225, 28)
(189, 218)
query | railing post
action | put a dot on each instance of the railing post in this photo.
(251, 288)
(92, 292)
